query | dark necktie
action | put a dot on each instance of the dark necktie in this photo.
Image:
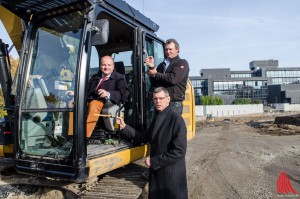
(103, 79)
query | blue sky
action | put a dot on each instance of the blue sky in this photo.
(5, 38)
(227, 33)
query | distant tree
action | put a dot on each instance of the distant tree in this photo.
(1, 104)
(14, 65)
(2, 112)
(211, 100)
(13, 69)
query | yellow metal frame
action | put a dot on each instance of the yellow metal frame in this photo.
(101, 165)
(13, 26)
(6, 150)
(188, 114)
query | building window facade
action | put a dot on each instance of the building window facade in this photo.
(253, 89)
(265, 81)
(284, 76)
(242, 75)
(200, 88)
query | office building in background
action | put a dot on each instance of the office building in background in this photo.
(264, 81)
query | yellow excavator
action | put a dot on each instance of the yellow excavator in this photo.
(60, 44)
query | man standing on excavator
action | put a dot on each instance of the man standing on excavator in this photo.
(172, 74)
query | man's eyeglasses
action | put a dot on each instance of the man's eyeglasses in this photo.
(158, 98)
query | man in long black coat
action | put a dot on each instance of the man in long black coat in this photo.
(168, 142)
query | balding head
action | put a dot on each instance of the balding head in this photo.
(107, 65)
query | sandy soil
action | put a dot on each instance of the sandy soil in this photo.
(239, 157)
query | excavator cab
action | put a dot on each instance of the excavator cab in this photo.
(62, 47)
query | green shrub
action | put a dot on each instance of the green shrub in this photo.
(246, 101)
(211, 100)
(256, 101)
(242, 101)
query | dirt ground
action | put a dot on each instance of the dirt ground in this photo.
(237, 157)
(243, 158)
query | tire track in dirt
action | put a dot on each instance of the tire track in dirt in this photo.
(211, 182)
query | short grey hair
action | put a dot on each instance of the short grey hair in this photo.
(161, 89)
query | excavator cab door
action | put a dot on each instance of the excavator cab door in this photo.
(46, 90)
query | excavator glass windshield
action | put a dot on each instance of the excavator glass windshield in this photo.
(47, 103)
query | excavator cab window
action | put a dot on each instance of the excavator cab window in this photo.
(50, 86)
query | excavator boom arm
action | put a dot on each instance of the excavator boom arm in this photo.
(13, 26)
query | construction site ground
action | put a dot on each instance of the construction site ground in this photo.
(233, 157)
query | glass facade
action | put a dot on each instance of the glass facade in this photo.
(242, 75)
(253, 89)
(200, 88)
(283, 73)
(225, 86)
(230, 85)
(284, 76)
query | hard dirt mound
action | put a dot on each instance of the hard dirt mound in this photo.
(292, 119)
(282, 125)
(28, 192)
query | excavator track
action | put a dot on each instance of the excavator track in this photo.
(124, 183)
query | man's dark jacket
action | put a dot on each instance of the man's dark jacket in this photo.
(168, 142)
(174, 79)
(116, 85)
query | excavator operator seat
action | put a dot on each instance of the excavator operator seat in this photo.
(119, 67)
(110, 121)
